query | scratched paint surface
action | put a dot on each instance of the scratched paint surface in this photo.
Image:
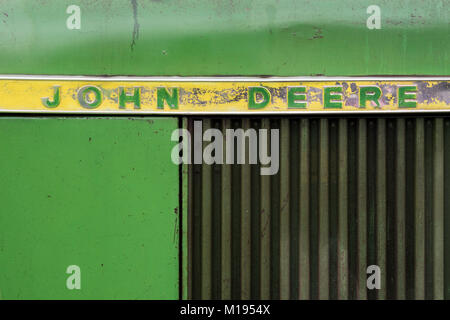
(216, 96)
(238, 37)
(98, 193)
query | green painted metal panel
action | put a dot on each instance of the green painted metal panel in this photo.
(239, 37)
(99, 193)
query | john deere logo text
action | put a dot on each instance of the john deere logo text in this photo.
(223, 96)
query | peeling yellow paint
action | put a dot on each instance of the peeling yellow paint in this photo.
(24, 95)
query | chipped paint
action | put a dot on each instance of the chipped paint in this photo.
(218, 96)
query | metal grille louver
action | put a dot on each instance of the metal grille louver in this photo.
(350, 192)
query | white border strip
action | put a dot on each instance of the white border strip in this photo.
(213, 113)
(219, 79)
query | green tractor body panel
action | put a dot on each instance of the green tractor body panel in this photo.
(237, 38)
(97, 193)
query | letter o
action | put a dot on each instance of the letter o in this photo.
(82, 97)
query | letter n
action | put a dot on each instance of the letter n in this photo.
(164, 95)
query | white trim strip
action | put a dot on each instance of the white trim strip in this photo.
(220, 78)
(200, 113)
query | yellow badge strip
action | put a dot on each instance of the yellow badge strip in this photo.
(220, 96)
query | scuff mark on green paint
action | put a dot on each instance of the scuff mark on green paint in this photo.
(136, 24)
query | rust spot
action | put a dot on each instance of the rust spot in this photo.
(317, 34)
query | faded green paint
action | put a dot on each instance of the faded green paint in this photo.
(366, 94)
(406, 95)
(93, 102)
(296, 97)
(134, 98)
(170, 98)
(98, 193)
(56, 98)
(332, 97)
(258, 97)
(240, 37)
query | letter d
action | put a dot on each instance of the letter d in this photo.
(263, 94)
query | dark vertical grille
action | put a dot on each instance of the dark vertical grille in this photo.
(349, 193)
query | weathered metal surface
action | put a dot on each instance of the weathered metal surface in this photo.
(99, 193)
(257, 255)
(350, 193)
(222, 95)
(239, 37)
